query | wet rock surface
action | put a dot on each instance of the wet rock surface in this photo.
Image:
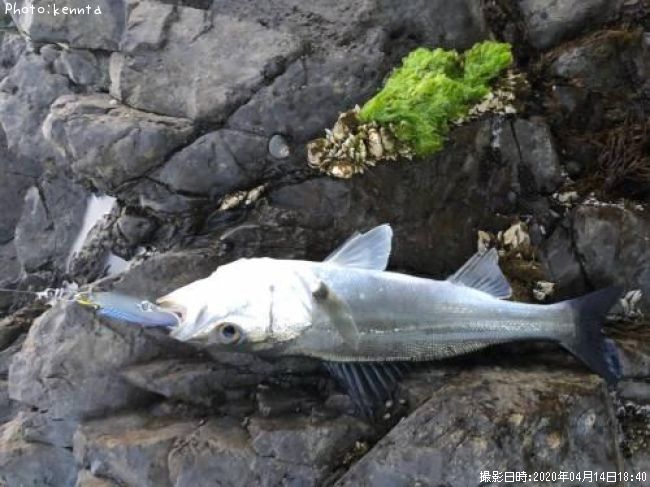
(500, 420)
(194, 116)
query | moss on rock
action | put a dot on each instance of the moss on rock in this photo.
(433, 88)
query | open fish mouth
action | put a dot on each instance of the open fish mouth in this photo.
(168, 304)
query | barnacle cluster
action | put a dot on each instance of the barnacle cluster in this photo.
(412, 114)
(352, 145)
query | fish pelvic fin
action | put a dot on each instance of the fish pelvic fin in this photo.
(482, 272)
(589, 344)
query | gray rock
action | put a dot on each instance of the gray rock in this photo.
(12, 46)
(162, 273)
(10, 272)
(7, 406)
(87, 479)
(7, 354)
(110, 144)
(25, 463)
(25, 97)
(456, 25)
(130, 449)
(215, 164)
(551, 21)
(14, 184)
(603, 62)
(230, 59)
(83, 67)
(222, 450)
(76, 26)
(201, 383)
(51, 219)
(70, 363)
(134, 229)
(495, 420)
(315, 216)
(562, 263)
(611, 243)
(43, 427)
(303, 441)
(529, 145)
(310, 94)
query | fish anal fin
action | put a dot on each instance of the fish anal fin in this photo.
(482, 272)
(369, 250)
(369, 384)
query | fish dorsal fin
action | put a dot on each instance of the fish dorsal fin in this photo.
(368, 250)
(482, 272)
(369, 384)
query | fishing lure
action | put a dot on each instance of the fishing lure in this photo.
(107, 304)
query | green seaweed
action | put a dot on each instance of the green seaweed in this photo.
(433, 88)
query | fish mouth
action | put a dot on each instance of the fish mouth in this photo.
(170, 306)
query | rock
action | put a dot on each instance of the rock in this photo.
(25, 463)
(201, 383)
(306, 442)
(423, 208)
(26, 94)
(611, 243)
(222, 449)
(309, 95)
(83, 67)
(488, 420)
(7, 354)
(551, 21)
(12, 46)
(602, 62)
(242, 56)
(110, 144)
(74, 22)
(14, 186)
(87, 479)
(216, 164)
(10, 274)
(530, 146)
(562, 263)
(421, 23)
(130, 449)
(134, 229)
(43, 427)
(162, 273)
(7, 406)
(49, 224)
(70, 363)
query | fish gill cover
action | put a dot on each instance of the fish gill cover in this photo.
(412, 113)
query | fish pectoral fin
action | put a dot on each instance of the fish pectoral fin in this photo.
(482, 272)
(328, 307)
(369, 384)
(369, 250)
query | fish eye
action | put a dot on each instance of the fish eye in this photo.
(229, 333)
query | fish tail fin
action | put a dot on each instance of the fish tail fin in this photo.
(588, 343)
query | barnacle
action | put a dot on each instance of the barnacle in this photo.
(411, 115)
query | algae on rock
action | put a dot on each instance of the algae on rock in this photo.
(412, 113)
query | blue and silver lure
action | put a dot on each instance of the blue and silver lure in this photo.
(128, 309)
(108, 304)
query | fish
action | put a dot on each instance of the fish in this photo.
(367, 324)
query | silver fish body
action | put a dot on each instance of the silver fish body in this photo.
(362, 320)
(400, 317)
